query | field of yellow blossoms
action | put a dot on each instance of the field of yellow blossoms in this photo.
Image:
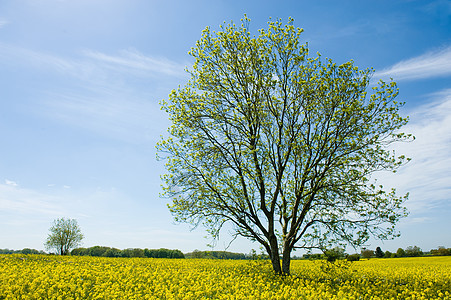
(74, 277)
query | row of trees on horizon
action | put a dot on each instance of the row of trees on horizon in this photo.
(108, 252)
(332, 254)
(130, 252)
(410, 251)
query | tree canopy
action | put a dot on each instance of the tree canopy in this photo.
(280, 144)
(65, 234)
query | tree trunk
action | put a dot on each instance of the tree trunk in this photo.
(274, 255)
(286, 260)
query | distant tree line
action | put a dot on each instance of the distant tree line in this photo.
(330, 255)
(411, 251)
(130, 252)
(441, 251)
(220, 255)
(23, 251)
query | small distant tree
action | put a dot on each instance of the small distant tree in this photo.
(112, 252)
(312, 256)
(150, 253)
(353, 257)
(98, 250)
(413, 251)
(443, 251)
(29, 251)
(126, 253)
(400, 252)
(65, 234)
(197, 254)
(367, 253)
(80, 251)
(137, 252)
(387, 254)
(379, 253)
(334, 254)
(133, 252)
(177, 254)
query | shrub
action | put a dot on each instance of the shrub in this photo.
(379, 253)
(400, 252)
(353, 257)
(334, 254)
(414, 251)
(442, 251)
(367, 253)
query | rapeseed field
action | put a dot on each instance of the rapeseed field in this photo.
(74, 277)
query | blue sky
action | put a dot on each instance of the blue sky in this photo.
(81, 81)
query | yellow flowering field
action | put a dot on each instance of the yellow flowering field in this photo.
(74, 277)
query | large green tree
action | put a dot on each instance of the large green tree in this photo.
(280, 144)
(65, 234)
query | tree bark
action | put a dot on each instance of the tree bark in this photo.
(286, 260)
(274, 255)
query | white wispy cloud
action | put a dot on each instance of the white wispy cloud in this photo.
(22, 201)
(431, 64)
(438, 8)
(112, 95)
(427, 177)
(119, 115)
(133, 60)
(3, 22)
(93, 64)
(52, 201)
(10, 182)
(19, 56)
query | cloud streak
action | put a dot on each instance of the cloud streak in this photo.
(3, 22)
(93, 63)
(431, 64)
(10, 182)
(16, 200)
(18, 56)
(120, 116)
(133, 60)
(427, 176)
(112, 95)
